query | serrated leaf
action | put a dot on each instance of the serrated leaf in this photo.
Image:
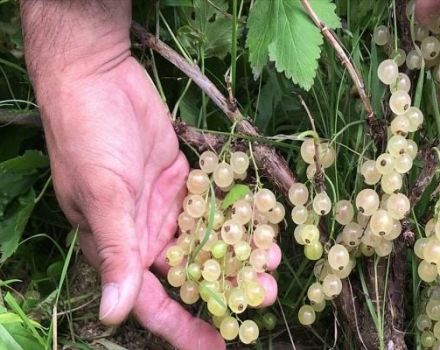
(282, 31)
(236, 193)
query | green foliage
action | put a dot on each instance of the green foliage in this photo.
(281, 31)
(208, 28)
(236, 193)
(17, 198)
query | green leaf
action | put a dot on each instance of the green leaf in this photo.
(281, 31)
(18, 174)
(16, 337)
(7, 341)
(12, 227)
(208, 29)
(237, 192)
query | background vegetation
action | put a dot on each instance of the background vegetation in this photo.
(265, 56)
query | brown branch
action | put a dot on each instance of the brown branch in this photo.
(430, 164)
(273, 166)
(376, 129)
(20, 117)
(201, 141)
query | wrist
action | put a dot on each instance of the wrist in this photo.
(67, 41)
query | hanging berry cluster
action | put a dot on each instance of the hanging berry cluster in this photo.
(224, 243)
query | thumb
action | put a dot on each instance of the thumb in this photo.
(118, 257)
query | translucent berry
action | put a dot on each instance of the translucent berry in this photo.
(403, 163)
(223, 175)
(420, 33)
(398, 206)
(306, 315)
(322, 203)
(351, 234)
(219, 249)
(381, 223)
(400, 102)
(186, 222)
(399, 56)
(208, 162)
(237, 300)
(315, 293)
(423, 322)
(255, 293)
(411, 149)
(242, 250)
(344, 211)
(402, 83)
(385, 163)
(276, 214)
(309, 234)
(232, 232)
(370, 173)
(258, 260)
(189, 292)
(195, 205)
(415, 117)
(332, 285)
(414, 60)
(391, 182)
(308, 151)
(248, 332)
(314, 250)
(198, 182)
(174, 255)
(367, 201)
(229, 328)
(338, 257)
(263, 236)
(298, 194)
(217, 304)
(387, 71)
(176, 276)
(299, 214)
(427, 271)
(381, 35)
(431, 251)
(241, 211)
(208, 288)
(430, 47)
(239, 162)
(265, 200)
(400, 125)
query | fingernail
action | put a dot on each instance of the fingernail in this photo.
(109, 300)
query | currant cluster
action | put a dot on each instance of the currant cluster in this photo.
(428, 321)
(306, 214)
(425, 37)
(223, 248)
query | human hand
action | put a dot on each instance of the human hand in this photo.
(427, 11)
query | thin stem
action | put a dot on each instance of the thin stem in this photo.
(355, 76)
(234, 46)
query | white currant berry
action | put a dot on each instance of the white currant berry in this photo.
(381, 35)
(387, 71)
